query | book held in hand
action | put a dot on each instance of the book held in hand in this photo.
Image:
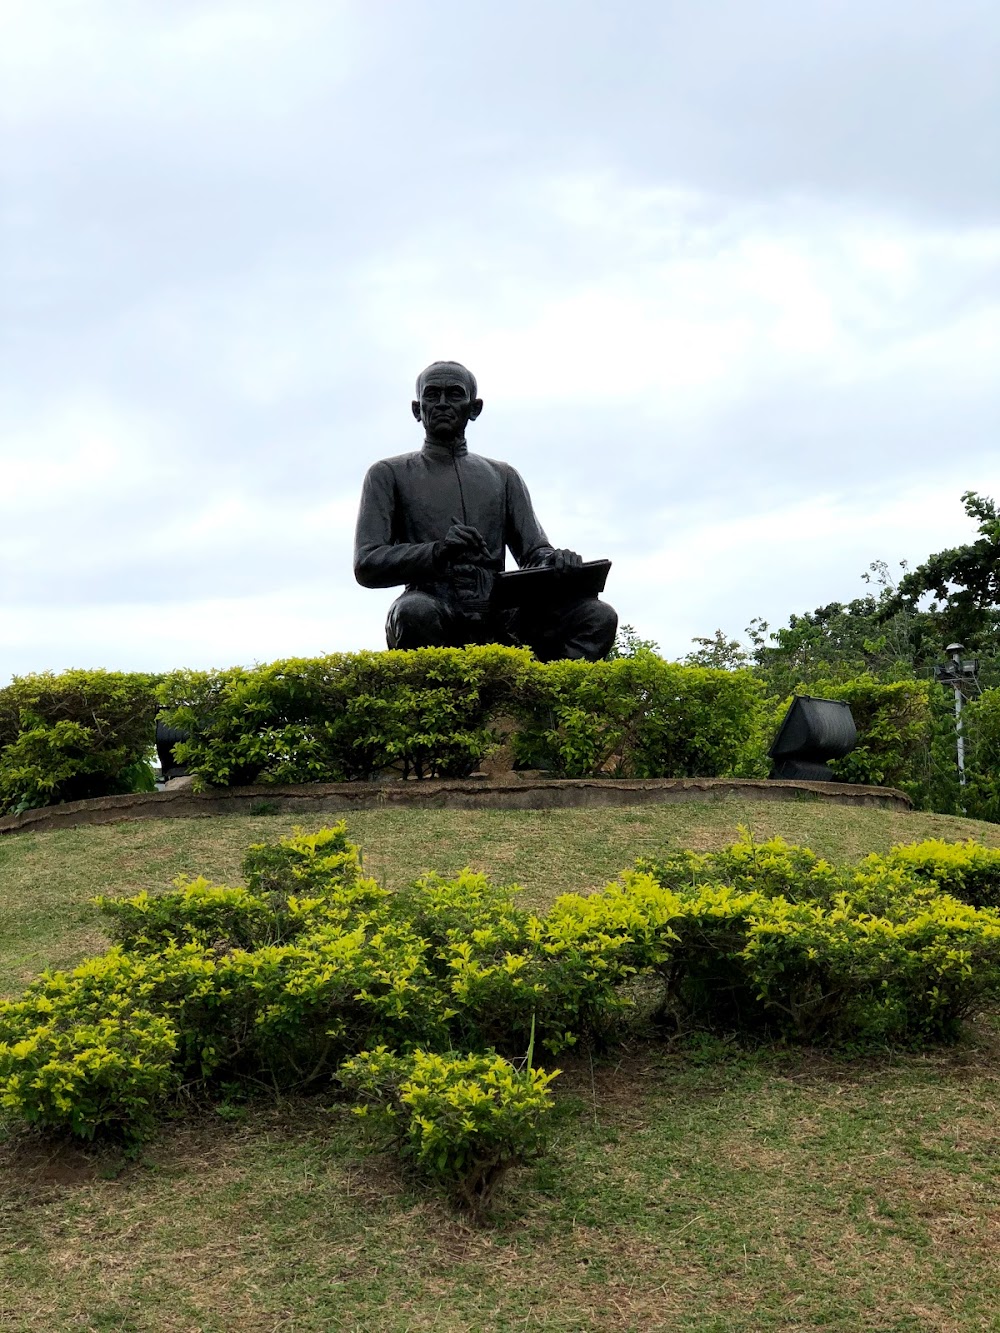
(534, 589)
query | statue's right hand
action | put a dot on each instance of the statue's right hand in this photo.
(461, 541)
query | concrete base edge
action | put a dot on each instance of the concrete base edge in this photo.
(438, 793)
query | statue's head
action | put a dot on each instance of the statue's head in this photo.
(446, 401)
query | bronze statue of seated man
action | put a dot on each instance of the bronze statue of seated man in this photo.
(440, 520)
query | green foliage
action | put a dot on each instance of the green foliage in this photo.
(334, 992)
(768, 937)
(435, 712)
(893, 722)
(303, 863)
(843, 974)
(296, 883)
(75, 735)
(299, 980)
(429, 713)
(462, 1121)
(718, 651)
(562, 982)
(109, 1074)
(964, 579)
(196, 912)
(772, 867)
(179, 984)
(642, 717)
(981, 798)
(965, 870)
(841, 641)
(896, 725)
(467, 909)
(628, 643)
(898, 635)
(86, 1053)
(346, 716)
(508, 974)
(771, 936)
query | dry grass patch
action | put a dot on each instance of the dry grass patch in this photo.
(764, 1191)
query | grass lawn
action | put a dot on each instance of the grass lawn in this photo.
(694, 1187)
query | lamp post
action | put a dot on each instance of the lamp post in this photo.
(954, 673)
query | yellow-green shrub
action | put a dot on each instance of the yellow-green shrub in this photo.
(109, 1074)
(462, 1121)
(196, 911)
(210, 983)
(964, 869)
(770, 867)
(297, 883)
(838, 974)
(469, 907)
(86, 1052)
(334, 992)
(305, 864)
(873, 952)
(507, 973)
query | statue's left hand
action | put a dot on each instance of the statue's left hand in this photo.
(563, 560)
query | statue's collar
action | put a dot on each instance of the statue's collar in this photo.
(444, 452)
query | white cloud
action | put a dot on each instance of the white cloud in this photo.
(84, 452)
(668, 302)
(205, 632)
(169, 63)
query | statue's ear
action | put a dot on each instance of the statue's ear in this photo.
(475, 408)
(416, 409)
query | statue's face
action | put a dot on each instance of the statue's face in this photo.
(445, 406)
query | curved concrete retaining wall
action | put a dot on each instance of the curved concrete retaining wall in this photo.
(467, 794)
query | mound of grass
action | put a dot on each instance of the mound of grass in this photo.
(697, 1187)
(48, 879)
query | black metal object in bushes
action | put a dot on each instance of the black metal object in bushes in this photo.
(812, 732)
(166, 739)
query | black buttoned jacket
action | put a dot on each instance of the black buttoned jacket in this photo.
(409, 502)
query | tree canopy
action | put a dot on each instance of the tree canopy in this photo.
(964, 580)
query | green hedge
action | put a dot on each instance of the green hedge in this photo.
(981, 797)
(643, 717)
(75, 735)
(438, 712)
(894, 725)
(346, 716)
(433, 712)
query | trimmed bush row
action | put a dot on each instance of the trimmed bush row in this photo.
(426, 1004)
(78, 734)
(433, 712)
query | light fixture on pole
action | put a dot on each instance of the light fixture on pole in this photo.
(956, 674)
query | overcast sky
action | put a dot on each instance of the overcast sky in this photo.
(728, 272)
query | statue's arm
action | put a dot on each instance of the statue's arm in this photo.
(525, 535)
(379, 561)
